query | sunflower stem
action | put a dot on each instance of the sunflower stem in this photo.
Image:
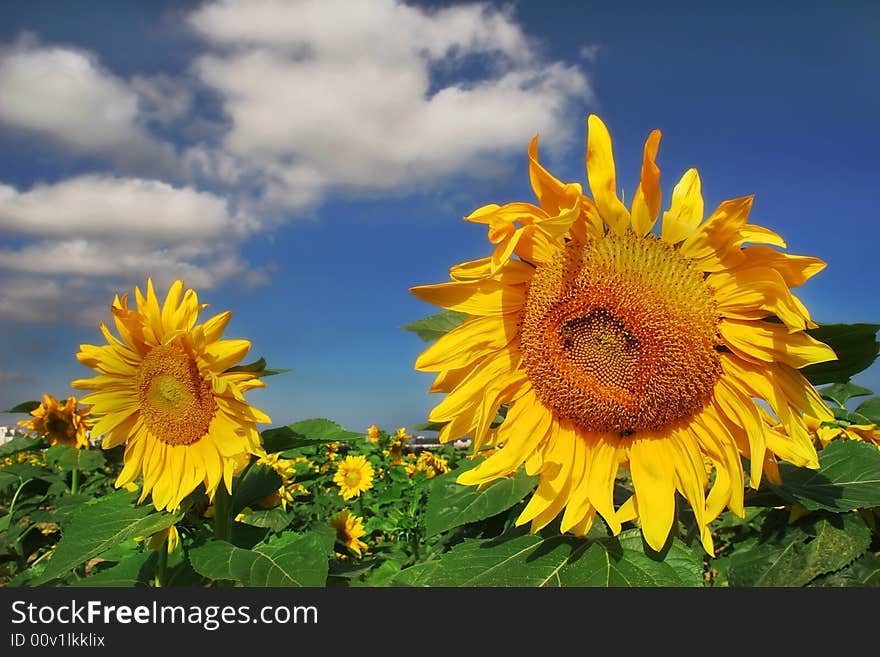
(74, 481)
(162, 566)
(222, 513)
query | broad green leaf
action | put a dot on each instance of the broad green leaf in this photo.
(548, 559)
(870, 408)
(864, 572)
(839, 393)
(68, 458)
(432, 327)
(135, 570)
(451, 504)
(293, 560)
(325, 430)
(258, 367)
(273, 519)
(260, 481)
(848, 478)
(856, 348)
(21, 444)
(24, 407)
(281, 439)
(97, 527)
(794, 555)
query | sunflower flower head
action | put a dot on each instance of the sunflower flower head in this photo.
(61, 424)
(164, 387)
(349, 530)
(373, 433)
(354, 476)
(619, 342)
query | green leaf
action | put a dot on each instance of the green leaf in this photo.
(451, 504)
(864, 572)
(550, 559)
(97, 527)
(794, 555)
(839, 393)
(325, 430)
(432, 327)
(20, 444)
(281, 439)
(848, 478)
(69, 458)
(870, 408)
(258, 367)
(136, 570)
(293, 560)
(272, 519)
(260, 481)
(856, 348)
(24, 407)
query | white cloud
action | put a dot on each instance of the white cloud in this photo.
(356, 95)
(97, 205)
(65, 96)
(111, 231)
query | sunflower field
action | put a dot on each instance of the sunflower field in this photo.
(626, 398)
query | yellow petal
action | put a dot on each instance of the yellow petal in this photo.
(602, 176)
(604, 465)
(714, 244)
(648, 196)
(483, 298)
(652, 466)
(756, 293)
(686, 210)
(771, 343)
(794, 269)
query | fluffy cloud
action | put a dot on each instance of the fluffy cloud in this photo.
(375, 94)
(117, 231)
(314, 96)
(98, 206)
(65, 96)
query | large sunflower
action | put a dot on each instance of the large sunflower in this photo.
(62, 424)
(164, 387)
(614, 347)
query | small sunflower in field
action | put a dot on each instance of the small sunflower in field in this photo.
(61, 424)
(353, 476)
(165, 389)
(349, 530)
(825, 433)
(614, 342)
(373, 433)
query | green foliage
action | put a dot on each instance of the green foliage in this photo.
(855, 345)
(796, 554)
(258, 367)
(24, 407)
(70, 458)
(848, 478)
(292, 560)
(551, 559)
(451, 505)
(432, 327)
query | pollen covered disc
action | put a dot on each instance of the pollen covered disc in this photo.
(176, 401)
(620, 334)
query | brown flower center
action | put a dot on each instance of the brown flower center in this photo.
(619, 334)
(176, 402)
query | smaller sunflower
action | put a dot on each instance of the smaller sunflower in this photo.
(349, 529)
(373, 433)
(354, 476)
(62, 424)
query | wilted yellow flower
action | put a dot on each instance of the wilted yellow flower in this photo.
(354, 476)
(62, 424)
(164, 387)
(349, 530)
(615, 346)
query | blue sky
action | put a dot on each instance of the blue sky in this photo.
(305, 163)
